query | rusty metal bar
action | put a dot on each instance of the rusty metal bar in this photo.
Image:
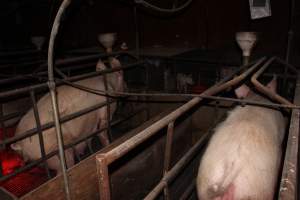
(168, 155)
(40, 132)
(136, 140)
(263, 88)
(102, 170)
(130, 144)
(168, 149)
(289, 180)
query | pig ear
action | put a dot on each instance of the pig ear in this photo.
(242, 91)
(114, 62)
(272, 85)
(16, 147)
(100, 65)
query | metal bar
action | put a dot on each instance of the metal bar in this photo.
(74, 78)
(136, 140)
(51, 124)
(120, 150)
(168, 156)
(60, 73)
(107, 110)
(263, 88)
(187, 193)
(40, 132)
(241, 101)
(168, 149)
(289, 180)
(70, 145)
(171, 175)
(102, 170)
(59, 137)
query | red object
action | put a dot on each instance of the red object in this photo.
(10, 160)
(23, 182)
(198, 89)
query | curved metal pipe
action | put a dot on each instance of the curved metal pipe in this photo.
(52, 88)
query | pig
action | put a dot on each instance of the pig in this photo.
(70, 100)
(243, 156)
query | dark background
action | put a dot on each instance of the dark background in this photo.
(207, 24)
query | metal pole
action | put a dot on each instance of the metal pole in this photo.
(52, 88)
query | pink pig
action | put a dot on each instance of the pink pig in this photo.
(70, 100)
(243, 157)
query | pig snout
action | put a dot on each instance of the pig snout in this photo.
(243, 156)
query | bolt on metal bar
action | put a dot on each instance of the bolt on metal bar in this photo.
(168, 155)
(289, 181)
(40, 132)
(117, 152)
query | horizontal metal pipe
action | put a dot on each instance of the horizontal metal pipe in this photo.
(117, 152)
(241, 101)
(70, 145)
(75, 78)
(145, 134)
(48, 125)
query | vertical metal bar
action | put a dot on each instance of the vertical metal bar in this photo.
(52, 87)
(168, 156)
(107, 109)
(76, 155)
(40, 132)
(102, 170)
(289, 180)
(59, 138)
(88, 143)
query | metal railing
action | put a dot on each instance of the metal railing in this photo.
(105, 159)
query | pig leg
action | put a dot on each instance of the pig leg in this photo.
(54, 162)
(103, 136)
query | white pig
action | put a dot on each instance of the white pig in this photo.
(243, 156)
(70, 100)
